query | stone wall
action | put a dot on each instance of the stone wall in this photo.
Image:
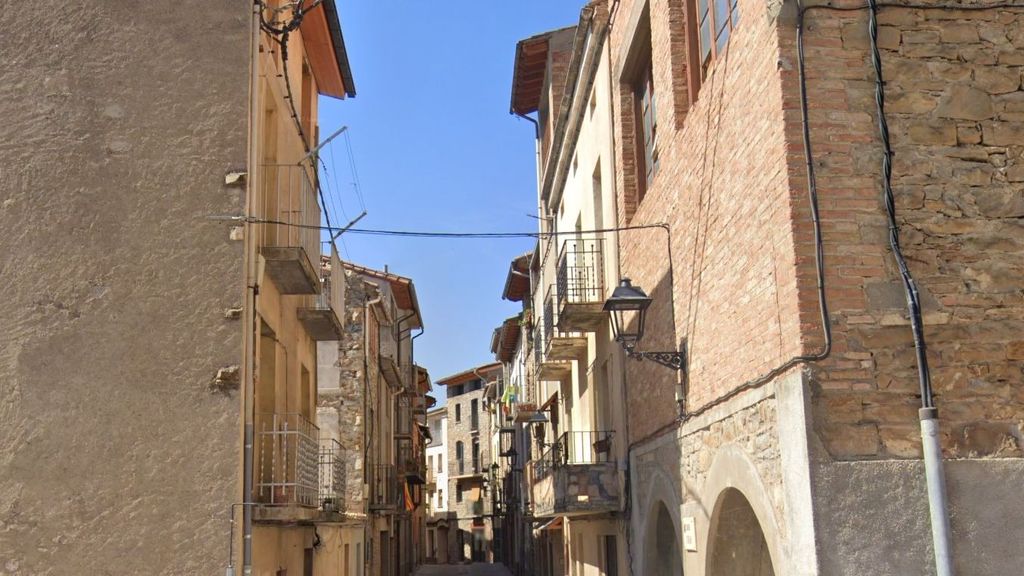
(674, 469)
(955, 109)
(342, 405)
(119, 386)
(462, 431)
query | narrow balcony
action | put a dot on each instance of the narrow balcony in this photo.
(332, 476)
(560, 344)
(576, 477)
(384, 492)
(580, 286)
(390, 364)
(287, 467)
(411, 463)
(321, 317)
(403, 425)
(287, 208)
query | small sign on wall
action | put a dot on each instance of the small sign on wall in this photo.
(689, 534)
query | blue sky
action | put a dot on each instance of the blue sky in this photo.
(436, 149)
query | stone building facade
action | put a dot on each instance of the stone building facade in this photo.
(770, 453)
(818, 465)
(469, 460)
(372, 398)
(142, 344)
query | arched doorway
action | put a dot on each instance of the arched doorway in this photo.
(662, 556)
(736, 543)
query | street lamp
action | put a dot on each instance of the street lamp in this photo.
(628, 309)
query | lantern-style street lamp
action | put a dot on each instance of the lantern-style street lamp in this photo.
(628, 309)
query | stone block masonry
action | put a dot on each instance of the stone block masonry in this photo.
(955, 108)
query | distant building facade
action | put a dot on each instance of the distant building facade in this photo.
(469, 460)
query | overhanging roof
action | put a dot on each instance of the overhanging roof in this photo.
(529, 71)
(467, 375)
(325, 49)
(402, 287)
(517, 282)
(505, 339)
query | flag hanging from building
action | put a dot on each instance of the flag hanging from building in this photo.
(409, 505)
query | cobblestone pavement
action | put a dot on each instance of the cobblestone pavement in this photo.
(477, 569)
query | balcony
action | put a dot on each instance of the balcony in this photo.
(384, 492)
(411, 463)
(559, 344)
(580, 286)
(332, 476)
(390, 364)
(287, 463)
(286, 205)
(321, 317)
(575, 477)
(403, 424)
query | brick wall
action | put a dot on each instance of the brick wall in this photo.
(722, 187)
(956, 113)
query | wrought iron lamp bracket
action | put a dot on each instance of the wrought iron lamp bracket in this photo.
(674, 360)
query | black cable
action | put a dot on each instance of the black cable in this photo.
(913, 297)
(298, 12)
(454, 235)
(819, 250)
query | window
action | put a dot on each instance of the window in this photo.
(647, 136)
(458, 412)
(440, 463)
(458, 495)
(715, 21)
(459, 457)
(476, 456)
(640, 109)
(440, 499)
(474, 414)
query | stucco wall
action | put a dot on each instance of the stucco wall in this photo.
(890, 534)
(119, 452)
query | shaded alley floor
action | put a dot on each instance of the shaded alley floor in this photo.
(477, 569)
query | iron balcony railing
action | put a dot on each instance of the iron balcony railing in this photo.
(288, 210)
(384, 493)
(552, 302)
(287, 460)
(403, 415)
(410, 457)
(574, 448)
(580, 272)
(332, 285)
(332, 475)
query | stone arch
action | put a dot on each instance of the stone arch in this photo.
(737, 546)
(742, 535)
(662, 554)
(660, 502)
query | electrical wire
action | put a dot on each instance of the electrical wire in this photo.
(911, 288)
(819, 251)
(448, 235)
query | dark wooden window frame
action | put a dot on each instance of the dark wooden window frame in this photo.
(707, 36)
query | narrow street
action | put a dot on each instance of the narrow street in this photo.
(475, 569)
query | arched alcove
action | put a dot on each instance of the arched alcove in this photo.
(662, 556)
(736, 542)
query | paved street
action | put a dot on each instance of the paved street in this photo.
(477, 569)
